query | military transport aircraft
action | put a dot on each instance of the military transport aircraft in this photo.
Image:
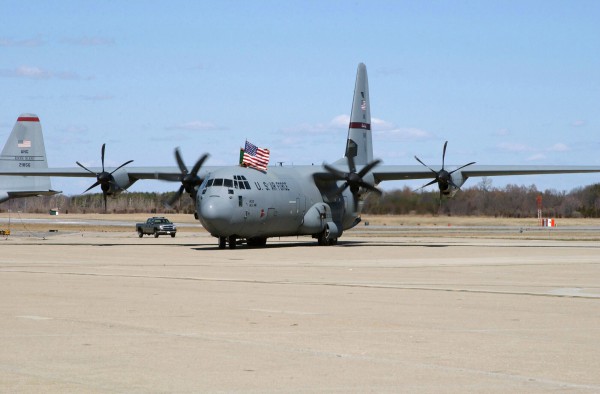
(24, 149)
(237, 203)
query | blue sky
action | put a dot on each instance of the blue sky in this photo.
(507, 82)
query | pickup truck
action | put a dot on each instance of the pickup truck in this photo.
(156, 226)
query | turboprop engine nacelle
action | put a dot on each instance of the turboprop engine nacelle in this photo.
(120, 182)
(449, 189)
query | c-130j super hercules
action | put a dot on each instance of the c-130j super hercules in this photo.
(237, 203)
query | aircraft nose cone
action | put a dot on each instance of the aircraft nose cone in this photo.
(215, 215)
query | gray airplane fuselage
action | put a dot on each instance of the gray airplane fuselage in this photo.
(248, 203)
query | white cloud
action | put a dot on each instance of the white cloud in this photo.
(33, 72)
(338, 122)
(381, 124)
(28, 43)
(578, 123)
(559, 147)
(383, 128)
(196, 125)
(403, 133)
(537, 156)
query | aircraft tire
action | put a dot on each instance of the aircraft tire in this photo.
(322, 238)
(222, 242)
(232, 242)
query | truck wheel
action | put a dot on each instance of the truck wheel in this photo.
(155, 234)
(140, 233)
(173, 235)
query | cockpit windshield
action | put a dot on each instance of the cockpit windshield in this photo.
(238, 182)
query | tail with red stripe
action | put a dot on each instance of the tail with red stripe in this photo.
(24, 149)
(359, 144)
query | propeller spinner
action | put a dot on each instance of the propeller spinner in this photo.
(443, 177)
(189, 180)
(352, 179)
(105, 179)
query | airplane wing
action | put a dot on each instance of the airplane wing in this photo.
(168, 173)
(397, 173)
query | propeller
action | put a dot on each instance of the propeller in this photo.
(104, 178)
(443, 177)
(189, 180)
(353, 180)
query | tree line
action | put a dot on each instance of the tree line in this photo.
(480, 200)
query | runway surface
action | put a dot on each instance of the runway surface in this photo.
(110, 312)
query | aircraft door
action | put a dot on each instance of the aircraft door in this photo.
(300, 206)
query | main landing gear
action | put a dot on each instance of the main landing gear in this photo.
(255, 242)
(231, 240)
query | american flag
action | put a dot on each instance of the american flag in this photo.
(23, 144)
(255, 156)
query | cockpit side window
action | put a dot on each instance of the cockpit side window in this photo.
(209, 183)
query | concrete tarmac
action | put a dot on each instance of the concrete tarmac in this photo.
(109, 312)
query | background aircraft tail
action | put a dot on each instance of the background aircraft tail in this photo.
(359, 144)
(24, 149)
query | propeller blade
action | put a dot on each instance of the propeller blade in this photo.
(102, 155)
(443, 177)
(121, 166)
(93, 186)
(353, 180)
(419, 160)
(199, 164)
(341, 189)
(82, 166)
(427, 184)
(176, 196)
(335, 172)
(444, 154)
(460, 168)
(189, 180)
(351, 165)
(180, 163)
(103, 178)
(368, 168)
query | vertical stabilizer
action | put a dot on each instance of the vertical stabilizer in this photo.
(24, 149)
(359, 144)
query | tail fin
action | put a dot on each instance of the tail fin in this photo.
(359, 144)
(24, 149)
